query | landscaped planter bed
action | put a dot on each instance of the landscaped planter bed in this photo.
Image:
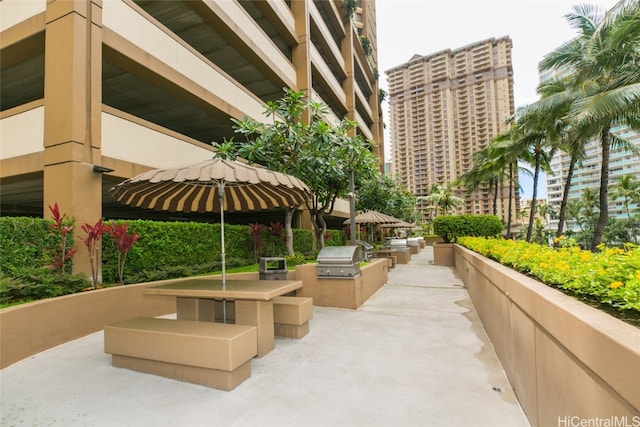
(563, 358)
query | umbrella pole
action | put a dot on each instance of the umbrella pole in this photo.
(222, 255)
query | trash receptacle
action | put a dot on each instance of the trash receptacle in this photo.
(273, 268)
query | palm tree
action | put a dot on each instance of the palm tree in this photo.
(576, 212)
(628, 189)
(601, 66)
(534, 135)
(486, 171)
(569, 142)
(493, 165)
(442, 199)
(590, 202)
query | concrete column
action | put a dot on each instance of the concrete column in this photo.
(376, 128)
(72, 126)
(348, 85)
(300, 55)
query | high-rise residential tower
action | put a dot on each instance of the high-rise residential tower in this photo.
(445, 107)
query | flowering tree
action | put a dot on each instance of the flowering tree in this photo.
(297, 140)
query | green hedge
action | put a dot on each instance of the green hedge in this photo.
(164, 250)
(450, 228)
(25, 243)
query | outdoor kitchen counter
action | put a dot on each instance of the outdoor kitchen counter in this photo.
(195, 300)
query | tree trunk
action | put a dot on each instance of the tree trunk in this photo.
(532, 210)
(604, 189)
(510, 200)
(565, 195)
(321, 227)
(496, 192)
(314, 231)
(288, 218)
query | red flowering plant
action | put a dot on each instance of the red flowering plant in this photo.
(123, 241)
(347, 231)
(277, 229)
(255, 231)
(64, 227)
(92, 242)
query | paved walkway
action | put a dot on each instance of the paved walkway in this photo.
(414, 355)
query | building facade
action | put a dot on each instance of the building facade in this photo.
(445, 107)
(94, 92)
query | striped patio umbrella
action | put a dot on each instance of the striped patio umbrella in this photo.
(374, 218)
(235, 186)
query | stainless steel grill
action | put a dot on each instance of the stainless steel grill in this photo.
(366, 250)
(399, 245)
(413, 241)
(339, 261)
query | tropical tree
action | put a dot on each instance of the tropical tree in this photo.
(568, 142)
(534, 137)
(493, 165)
(299, 141)
(601, 68)
(488, 170)
(628, 189)
(387, 195)
(442, 200)
(575, 213)
(547, 212)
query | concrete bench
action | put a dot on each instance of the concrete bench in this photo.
(212, 354)
(291, 316)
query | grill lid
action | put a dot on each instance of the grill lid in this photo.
(396, 242)
(339, 255)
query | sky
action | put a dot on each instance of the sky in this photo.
(423, 27)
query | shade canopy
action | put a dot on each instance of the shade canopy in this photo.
(399, 224)
(374, 217)
(195, 188)
(215, 185)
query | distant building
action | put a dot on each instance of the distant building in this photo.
(445, 107)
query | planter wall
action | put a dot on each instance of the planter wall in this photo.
(31, 328)
(443, 254)
(403, 257)
(348, 293)
(563, 358)
(429, 241)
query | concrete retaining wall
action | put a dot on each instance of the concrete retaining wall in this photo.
(31, 328)
(565, 360)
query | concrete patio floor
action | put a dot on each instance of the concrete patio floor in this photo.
(415, 354)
